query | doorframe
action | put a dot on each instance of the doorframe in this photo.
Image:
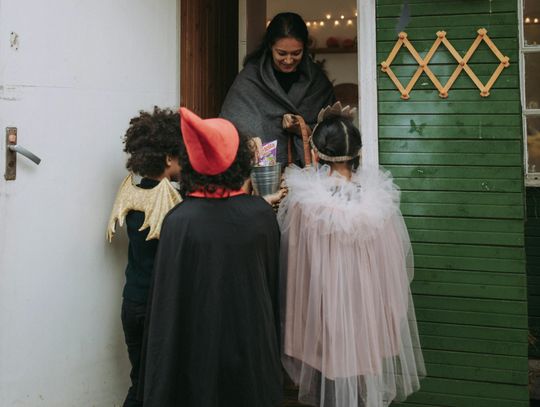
(208, 53)
(367, 81)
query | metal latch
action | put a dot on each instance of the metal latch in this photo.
(12, 148)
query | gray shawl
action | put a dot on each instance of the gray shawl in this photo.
(256, 103)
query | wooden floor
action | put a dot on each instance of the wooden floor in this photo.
(291, 394)
(292, 403)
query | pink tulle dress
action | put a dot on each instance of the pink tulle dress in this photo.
(349, 329)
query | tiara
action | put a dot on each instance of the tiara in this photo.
(336, 110)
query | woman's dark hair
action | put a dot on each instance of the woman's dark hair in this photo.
(233, 178)
(338, 136)
(150, 138)
(283, 25)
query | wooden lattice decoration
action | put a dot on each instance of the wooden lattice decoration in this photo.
(462, 64)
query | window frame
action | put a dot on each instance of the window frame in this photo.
(531, 179)
(367, 81)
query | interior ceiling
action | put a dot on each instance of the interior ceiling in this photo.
(311, 9)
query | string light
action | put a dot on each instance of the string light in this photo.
(529, 20)
(337, 22)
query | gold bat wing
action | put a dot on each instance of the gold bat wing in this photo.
(155, 203)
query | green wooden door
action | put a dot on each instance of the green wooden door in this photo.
(459, 163)
(532, 249)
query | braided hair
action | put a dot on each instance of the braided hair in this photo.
(338, 140)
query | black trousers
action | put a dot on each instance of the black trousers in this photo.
(133, 316)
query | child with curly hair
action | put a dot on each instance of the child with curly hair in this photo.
(154, 144)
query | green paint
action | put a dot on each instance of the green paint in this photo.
(459, 164)
(532, 248)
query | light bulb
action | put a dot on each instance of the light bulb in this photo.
(328, 16)
(536, 20)
(349, 22)
(336, 22)
(308, 24)
(342, 17)
(321, 23)
(527, 20)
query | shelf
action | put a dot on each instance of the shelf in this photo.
(336, 50)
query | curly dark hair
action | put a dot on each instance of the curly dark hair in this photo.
(150, 138)
(330, 138)
(233, 178)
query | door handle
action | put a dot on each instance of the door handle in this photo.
(12, 149)
(23, 151)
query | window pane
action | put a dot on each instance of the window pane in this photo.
(533, 143)
(532, 80)
(531, 21)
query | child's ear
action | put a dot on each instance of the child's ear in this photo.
(168, 160)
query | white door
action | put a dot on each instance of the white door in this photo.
(72, 74)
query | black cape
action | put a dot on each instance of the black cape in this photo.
(256, 102)
(212, 337)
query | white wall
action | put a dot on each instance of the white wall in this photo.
(341, 68)
(82, 70)
(242, 32)
(252, 25)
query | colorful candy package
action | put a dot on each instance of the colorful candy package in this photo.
(268, 154)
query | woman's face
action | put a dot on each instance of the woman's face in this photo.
(287, 54)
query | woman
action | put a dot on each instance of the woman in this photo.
(279, 80)
(212, 330)
(350, 335)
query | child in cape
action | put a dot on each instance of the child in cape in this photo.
(212, 325)
(154, 143)
(350, 337)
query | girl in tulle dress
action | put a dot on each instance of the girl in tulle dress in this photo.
(349, 330)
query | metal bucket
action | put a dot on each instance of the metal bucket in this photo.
(266, 180)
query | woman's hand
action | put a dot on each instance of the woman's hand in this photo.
(291, 123)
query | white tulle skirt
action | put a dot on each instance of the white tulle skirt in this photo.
(349, 329)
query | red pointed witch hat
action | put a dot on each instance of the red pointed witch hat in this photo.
(211, 144)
